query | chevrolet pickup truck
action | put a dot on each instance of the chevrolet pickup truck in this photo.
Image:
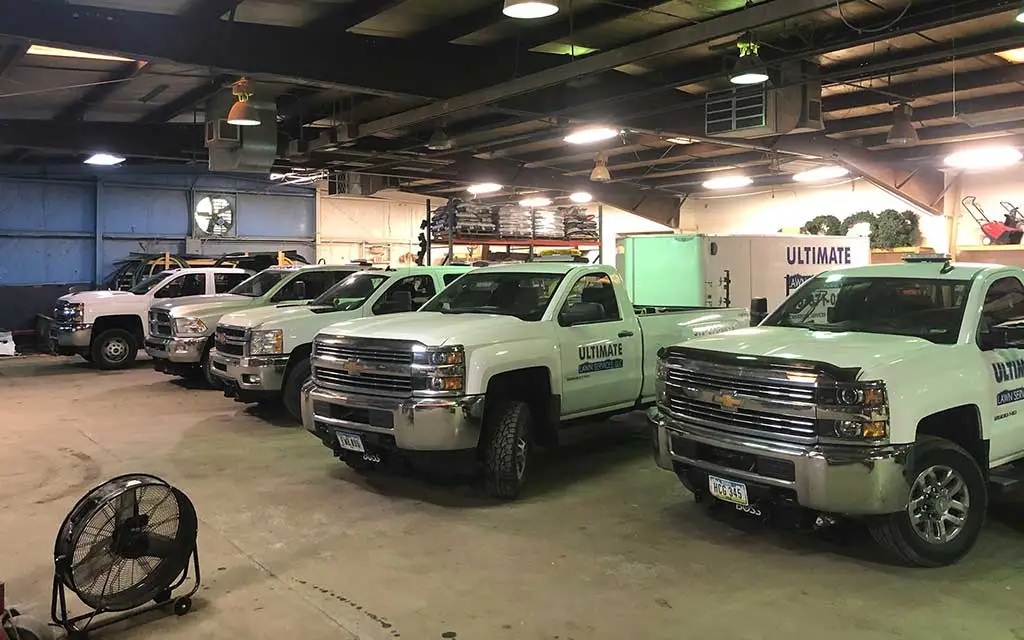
(108, 328)
(181, 331)
(505, 358)
(891, 393)
(263, 354)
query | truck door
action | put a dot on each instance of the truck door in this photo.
(1004, 373)
(601, 353)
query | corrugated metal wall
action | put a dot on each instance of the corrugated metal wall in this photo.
(49, 221)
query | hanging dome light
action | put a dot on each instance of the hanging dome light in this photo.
(588, 135)
(581, 197)
(440, 141)
(481, 188)
(749, 69)
(600, 172)
(902, 131)
(536, 201)
(242, 113)
(530, 9)
(995, 157)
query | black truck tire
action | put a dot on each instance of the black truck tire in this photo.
(292, 391)
(114, 349)
(947, 504)
(506, 448)
(206, 370)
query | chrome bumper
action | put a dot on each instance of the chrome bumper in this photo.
(178, 350)
(837, 479)
(416, 424)
(76, 336)
(251, 374)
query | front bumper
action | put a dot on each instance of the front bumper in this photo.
(257, 374)
(848, 480)
(70, 339)
(408, 424)
(177, 350)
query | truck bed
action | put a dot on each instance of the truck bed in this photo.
(648, 310)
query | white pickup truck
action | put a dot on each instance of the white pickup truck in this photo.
(891, 393)
(263, 354)
(108, 328)
(181, 331)
(505, 358)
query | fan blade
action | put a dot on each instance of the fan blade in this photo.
(94, 563)
(127, 507)
(158, 546)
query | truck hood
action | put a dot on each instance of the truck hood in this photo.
(843, 349)
(432, 329)
(203, 305)
(94, 296)
(279, 316)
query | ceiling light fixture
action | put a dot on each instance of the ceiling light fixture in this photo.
(749, 69)
(902, 131)
(581, 197)
(681, 140)
(1020, 15)
(984, 158)
(481, 188)
(530, 9)
(56, 52)
(821, 174)
(104, 159)
(600, 172)
(440, 141)
(537, 201)
(1015, 56)
(591, 134)
(728, 182)
(242, 113)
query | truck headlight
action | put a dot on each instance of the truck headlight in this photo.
(194, 327)
(70, 312)
(856, 395)
(856, 412)
(439, 369)
(263, 343)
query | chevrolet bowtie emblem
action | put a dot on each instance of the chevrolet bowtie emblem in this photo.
(726, 401)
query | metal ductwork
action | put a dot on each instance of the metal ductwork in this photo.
(793, 106)
(241, 149)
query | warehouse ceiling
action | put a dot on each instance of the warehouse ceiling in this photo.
(361, 86)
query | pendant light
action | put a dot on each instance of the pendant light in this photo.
(600, 172)
(242, 113)
(902, 131)
(440, 141)
(749, 69)
(530, 9)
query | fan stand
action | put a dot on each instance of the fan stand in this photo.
(59, 609)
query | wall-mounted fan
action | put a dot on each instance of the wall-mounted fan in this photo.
(124, 548)
(214, 216)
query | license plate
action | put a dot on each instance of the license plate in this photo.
(350, 442)
(734, 492)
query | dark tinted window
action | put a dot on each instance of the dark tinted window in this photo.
(315, 284)
(1004, 301)
(449, 278)
(595, 289)
(192, 284)
(224, 282)
(510, 293)
(419, 288)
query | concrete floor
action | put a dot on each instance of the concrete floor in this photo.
(605, 546)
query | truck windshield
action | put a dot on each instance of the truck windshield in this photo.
(352, 292)
(523, 295)
(149, 283)
(259, 284)
(932, 309)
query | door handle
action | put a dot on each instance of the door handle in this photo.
(625, 334)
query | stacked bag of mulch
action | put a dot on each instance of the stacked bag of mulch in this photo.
(463, 219)
(579, 224)
(549, 224)
(514, 222)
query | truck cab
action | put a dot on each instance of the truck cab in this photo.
(263, 354)
(505, 358)
(181, 330)
(890, 393)
(107, 328)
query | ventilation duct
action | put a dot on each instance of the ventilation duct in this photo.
(241, 149)
(754, 112)
(359, 184)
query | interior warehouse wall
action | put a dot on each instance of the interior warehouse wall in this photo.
(379, 230)
(990, 188)
(62, 228)
(787, 209)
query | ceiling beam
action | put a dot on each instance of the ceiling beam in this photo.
(399, 68)
(125, 138)
(718, 27)
(99, 93)
(944, 111)
(458, 26)
(208, 9)
(10, 55)
(561, 28)
(1012, 134)
(345, 16)
(188, 100)
(934, 135)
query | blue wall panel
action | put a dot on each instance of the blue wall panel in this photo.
(275, 216)
(46, 260)
(37, 206)
(155, 211)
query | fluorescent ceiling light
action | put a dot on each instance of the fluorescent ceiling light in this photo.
(43, 50)
(530, 9)
(483, 187)
(591, 134)
(560, 49)
(580, 197)
(1020, 16)
(821, 174)
(537, 201)
(104, 159)
(984, 158)
(1012, 55)
(680, 140)
(728, 182)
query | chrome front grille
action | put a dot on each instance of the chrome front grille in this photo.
(771, 404)
(160, 325)
(364, 366)
(230, 340)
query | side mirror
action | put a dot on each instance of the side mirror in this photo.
(581, 313)
(396, 302)
(758, 310)
(1008, 335)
